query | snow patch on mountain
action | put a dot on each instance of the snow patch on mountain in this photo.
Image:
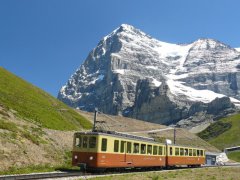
(178, 89)
(235, 101)
(119, 71)
(152, 67)
(167, 51)
(98, 78)
(156, 82)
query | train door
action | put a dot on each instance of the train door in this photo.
(129, 160)
(167, 155)
(123, 150)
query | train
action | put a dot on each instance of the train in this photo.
(96, 150)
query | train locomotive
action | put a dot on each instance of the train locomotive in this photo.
(98, 150)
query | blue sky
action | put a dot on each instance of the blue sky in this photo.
(45, 41)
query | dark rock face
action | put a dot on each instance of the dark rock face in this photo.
(218, 105)
(132, 74)
(154, 104)
(159, 105)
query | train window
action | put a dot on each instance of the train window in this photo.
(160, 150)
(122, 150)
(143, 148)
(186, 152)
(78, 141)
(104, 144)
(116, 145)
(164, 150)
(149, 149)
(129, 147)
(181, 152)
(170, 151)
(177, 151)
(92, 142)
(135, 147)
(198, 152)
(190, 152)
(85, 141)
(201, 152)
(194, 152)
(155, 150)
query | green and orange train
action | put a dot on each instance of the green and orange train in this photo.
(103, 150)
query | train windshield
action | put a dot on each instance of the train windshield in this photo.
(83, 141)
(78, 141)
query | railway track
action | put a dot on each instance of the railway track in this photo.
(53, 175)
(43, 175)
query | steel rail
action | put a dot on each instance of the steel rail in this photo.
(42, 175)
(79, 173)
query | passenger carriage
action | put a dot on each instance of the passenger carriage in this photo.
(182, 155)
(116, 150)
(101, 150)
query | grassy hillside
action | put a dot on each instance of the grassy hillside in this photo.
(234, 155)
(223, 133)
(37, 106)
(21, 141)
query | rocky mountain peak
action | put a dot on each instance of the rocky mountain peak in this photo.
(207, 55)
(125, 31)
(207, 44)
(131, 74)
(126, 27)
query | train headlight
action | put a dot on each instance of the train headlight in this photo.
(75, 157)
(90, 158)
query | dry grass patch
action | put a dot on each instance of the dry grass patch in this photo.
(124, 124)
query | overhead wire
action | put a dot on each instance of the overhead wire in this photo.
(102, 125)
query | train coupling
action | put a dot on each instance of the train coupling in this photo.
(83, 166)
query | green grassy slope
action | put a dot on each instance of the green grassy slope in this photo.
(234, 155)
(35, 105)
(223, 133)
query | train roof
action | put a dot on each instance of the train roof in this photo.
(119, 134)
(130, 136)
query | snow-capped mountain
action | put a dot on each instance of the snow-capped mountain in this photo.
(132, 74)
